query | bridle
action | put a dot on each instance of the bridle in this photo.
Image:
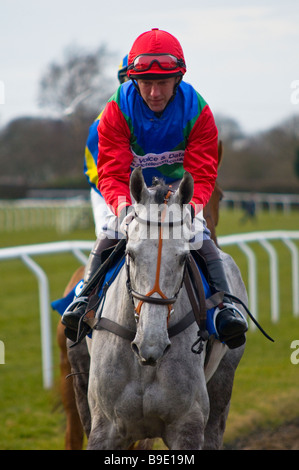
(147, 298)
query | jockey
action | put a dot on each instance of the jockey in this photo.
(159, 122)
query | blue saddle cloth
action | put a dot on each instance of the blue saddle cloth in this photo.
(61, 305)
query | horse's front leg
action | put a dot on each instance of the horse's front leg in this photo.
(187, 433)
(74, 431)
(105, 436)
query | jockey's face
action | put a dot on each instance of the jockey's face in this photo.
(157, 93)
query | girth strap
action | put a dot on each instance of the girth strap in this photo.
(126, 333)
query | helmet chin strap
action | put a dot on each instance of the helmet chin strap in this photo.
(176, 85)
(135, 85)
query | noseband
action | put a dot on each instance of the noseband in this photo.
(147, 298)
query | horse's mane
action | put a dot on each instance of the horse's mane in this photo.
(161, 189)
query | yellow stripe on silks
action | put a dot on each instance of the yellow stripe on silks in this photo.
(92, 172)
(99, 116)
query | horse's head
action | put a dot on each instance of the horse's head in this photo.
(157, 247)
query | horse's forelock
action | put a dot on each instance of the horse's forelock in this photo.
(161, 192)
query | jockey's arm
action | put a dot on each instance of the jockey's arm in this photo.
(201, 157)
(115, 158)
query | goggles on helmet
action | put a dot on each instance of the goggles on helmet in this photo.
(144, 62)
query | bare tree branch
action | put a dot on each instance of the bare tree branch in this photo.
(81, 80)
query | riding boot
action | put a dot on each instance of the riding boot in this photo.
(73, 315)
(229, 322)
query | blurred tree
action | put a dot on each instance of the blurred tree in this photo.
(229, 129)
(42, 152)
(80, 83)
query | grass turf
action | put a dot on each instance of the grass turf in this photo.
(266, 385)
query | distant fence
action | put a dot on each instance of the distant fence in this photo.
(63, 215)
(66, 214)
(268, 201)
(243, 241)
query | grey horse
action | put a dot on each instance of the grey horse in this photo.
(154, 386)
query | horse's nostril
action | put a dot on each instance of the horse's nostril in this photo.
(146, 357)
(149, 362)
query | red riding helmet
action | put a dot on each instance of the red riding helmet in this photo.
(156, 54)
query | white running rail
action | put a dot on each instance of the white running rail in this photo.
(264, 238)
(77, 247)
(24, 253)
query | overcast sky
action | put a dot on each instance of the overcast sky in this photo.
(243, 57)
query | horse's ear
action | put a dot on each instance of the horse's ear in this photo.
(138, 187)
(185, 191)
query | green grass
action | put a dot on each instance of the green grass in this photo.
(31, 417)
(266, 385)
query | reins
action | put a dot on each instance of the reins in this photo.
(196, 293)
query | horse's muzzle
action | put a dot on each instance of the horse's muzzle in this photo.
(149, 355)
